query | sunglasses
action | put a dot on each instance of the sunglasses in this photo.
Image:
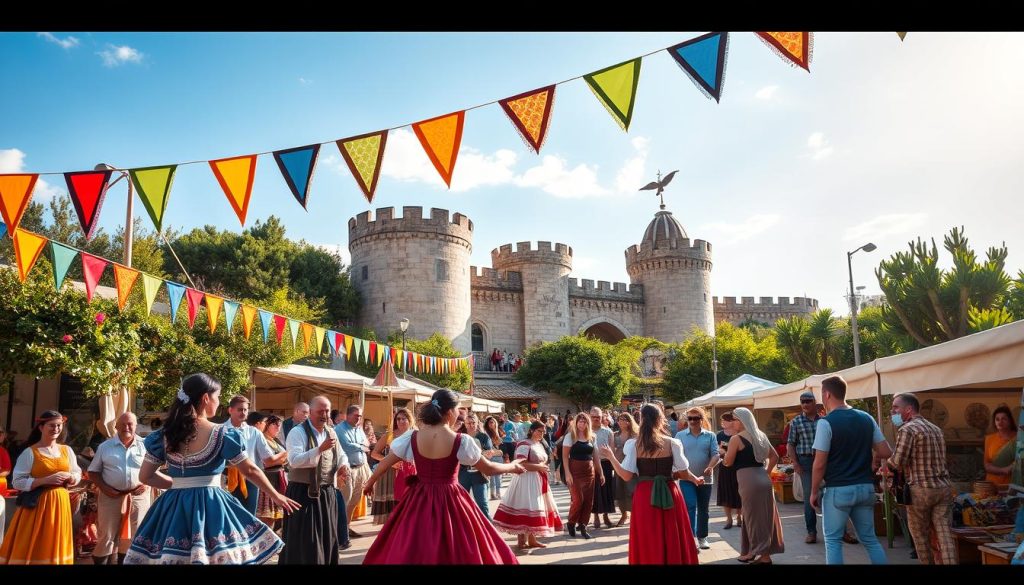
(694, 418)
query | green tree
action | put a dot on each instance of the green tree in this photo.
(586, 371)
(814, 343)
(317, 273)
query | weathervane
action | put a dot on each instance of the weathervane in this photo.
(660, 185)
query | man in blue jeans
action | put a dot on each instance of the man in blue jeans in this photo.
(843, 444)
(700, 446)
(801, 450)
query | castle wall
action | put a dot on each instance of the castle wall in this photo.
(764, 310)
(544, 273)
(617, 303)
(497, 305)
(676, 283)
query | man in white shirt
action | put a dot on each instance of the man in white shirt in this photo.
(356, 446)
(123, 500)
(256, 449)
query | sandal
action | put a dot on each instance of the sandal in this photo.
(728, 524)
(744, 560)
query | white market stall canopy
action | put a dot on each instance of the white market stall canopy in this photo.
(737, 392)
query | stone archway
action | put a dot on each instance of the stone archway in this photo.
(604, 329)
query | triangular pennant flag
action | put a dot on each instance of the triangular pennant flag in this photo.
(441, 137)
(279, 323)
(214, 304)
(15, 193)
(293, 325)
(793, 47)
(703, 59)
(307, 335)
(433, 365)
(332, 342)
(27, 247)
(87, 190)
(903, 35)
(363, 155)
(318, 335)
(150, 286)
(382, 350)
(366, 350)
(125, 279)
(92, 270)
(230, 310)
(154, 187)
(297, 166)
(265, 318)
(175, 292)
(373, 352)
(235, 176)
(394, 356)
(195, 300)
(347, 341)
(62, 257)
(615, 87)
(3, 229)
(530, 113)
(248, 316)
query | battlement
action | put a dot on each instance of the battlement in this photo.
(682, 248)
(618, 291)
(495, 279)
(767, 303)
(504, 258)
(412, 220)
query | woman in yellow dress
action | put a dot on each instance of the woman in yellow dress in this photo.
(998, 465)
(40, 532)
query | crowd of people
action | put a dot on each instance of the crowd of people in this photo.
(504, 361)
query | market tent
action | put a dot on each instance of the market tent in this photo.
(278, 389)
(736, 393)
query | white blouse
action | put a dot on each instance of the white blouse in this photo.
(679, 462)
(23, 469)
(469, 450)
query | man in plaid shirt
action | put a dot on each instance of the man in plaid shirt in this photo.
(921, 454)
(801, 452)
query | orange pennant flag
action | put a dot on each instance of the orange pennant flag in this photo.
(125, 279)
(307, 334)
(795, 47)
(235, 176)
(441, 137)
(214, 304)
(27, 247)
(248, 316)
(15, 193)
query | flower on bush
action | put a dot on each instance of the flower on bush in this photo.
(100, 318)
(67, 339)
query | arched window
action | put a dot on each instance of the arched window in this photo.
(478, 337)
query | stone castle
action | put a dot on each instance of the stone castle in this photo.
(417, 267)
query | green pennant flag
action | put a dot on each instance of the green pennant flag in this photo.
(364, 349)
(154, 187)
(62, 258)
(150, 286)
(293, 325)
(615, 87)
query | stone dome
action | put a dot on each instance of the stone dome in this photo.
(663, 229)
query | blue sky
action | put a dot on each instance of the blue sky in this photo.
(883, 141)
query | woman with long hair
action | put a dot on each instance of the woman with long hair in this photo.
(528, 509)
(628, 429)
(1000, 446)
(583, 471)
(384, 498)
(196, 521)
(728, 488)
(274, 467)
(437, 522)
(41, 531)
(748, 452)
(494, 432)
(660, 532)
(470, 479)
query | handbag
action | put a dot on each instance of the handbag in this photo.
(29, 499)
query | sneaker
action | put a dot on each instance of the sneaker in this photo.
(703, 543)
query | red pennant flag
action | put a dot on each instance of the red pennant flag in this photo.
(15, 193)
(279, 324)
(92, 270)
(195, 300)
(87, 190)
(394, 355)
(530, 113)
(373, 352)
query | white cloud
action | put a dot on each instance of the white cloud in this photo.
(12, 160)
(633, 173)
(555, 178)
(114, 55)
(476, 169)
(405, 160)
(305, 81)
(820, 148)
(584, 264)
(65, 43)
(732, 233)
(893, 224)
(767, 92)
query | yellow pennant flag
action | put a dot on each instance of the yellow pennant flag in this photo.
(15, 193)
(248, 316)
(381, 349)
(150, 286)
(615, 87)
(440, 138)
(214, 305)
(320, 332)
(125, 279)
(348, 346)
(235, 176)
(363, 155)
(307, 333)
(27, 247)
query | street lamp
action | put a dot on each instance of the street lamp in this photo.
(869, 247)
(129, 224)
(404, 324)
(714, 361)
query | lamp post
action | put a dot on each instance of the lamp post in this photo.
(129, 223)
(714, 361)
(404, 324)
(869, 247)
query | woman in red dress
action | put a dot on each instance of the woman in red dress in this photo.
(436, 507)
(659, 533)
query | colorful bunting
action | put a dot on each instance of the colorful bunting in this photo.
(347, 340)
(530, 113)
(150, 286)
(214, 304)
(616, 87)
(703, 59)
(279, 322)
(15, 193)
(154, 187)
(293, 325)
(248, 315)
(793, 47)
(235, 176)
(230, 309)
(903, 35)
(62, 256)
(297, 166)
(318, 335)
(87, 190)
(195, 300)
(363, 155)
(372, 356)
(440, 138)
(92, 269)
(124, 278)
(307, 335)
(332, 342)
(265, 318)
(27, 247)
(175, 292)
